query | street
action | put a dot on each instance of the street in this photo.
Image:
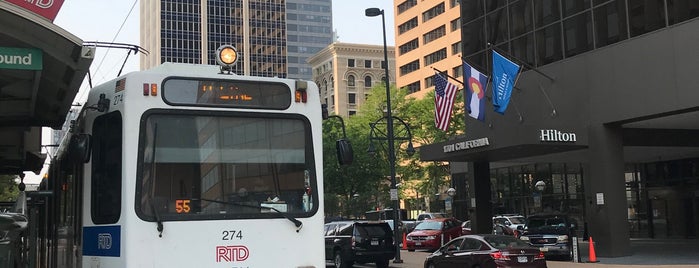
(415, 260)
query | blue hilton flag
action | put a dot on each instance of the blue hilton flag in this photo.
(504, 76)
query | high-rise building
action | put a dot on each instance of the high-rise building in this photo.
(428, 39)
(273, 37)
(345, 73)
(309, 30)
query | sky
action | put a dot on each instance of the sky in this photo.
(118, 21)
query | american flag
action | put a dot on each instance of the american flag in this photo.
(444, 93)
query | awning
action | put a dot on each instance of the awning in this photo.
(36, 96)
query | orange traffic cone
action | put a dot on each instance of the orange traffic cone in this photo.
(405, 242)
(593, 256)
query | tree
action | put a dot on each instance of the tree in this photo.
(367, 180)
(8, 188)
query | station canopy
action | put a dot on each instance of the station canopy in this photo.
(41, 69)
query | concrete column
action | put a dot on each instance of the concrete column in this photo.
(605, 191)
(481, 212)
(458, 181)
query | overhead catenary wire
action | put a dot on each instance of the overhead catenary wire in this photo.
(96, 71)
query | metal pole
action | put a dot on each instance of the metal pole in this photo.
(391, 151)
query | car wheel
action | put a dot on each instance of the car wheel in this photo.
(411, 250)
(382, 264)
(430, 265)
(341, 262)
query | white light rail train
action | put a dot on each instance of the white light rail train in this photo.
(187, 166)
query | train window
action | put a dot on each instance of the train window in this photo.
(232, 165)
(106, 169)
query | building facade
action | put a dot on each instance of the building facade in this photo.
(428, 38)
(272, 37)
(605, 114)
(345, 74)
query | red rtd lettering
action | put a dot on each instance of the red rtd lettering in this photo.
(231, 253)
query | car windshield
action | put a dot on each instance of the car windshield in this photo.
(517, 220)
(429, 225)
(503, 242)
(546, 222)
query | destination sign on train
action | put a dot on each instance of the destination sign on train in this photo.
(229, 93)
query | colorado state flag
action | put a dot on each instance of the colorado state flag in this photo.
(475, 95)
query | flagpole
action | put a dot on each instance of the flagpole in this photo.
(520, 61)
(449, 76)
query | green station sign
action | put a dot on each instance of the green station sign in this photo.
(21, 58)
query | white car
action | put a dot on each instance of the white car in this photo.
(513, 221)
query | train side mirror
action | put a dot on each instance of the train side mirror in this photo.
(345, 155)
(79, 148)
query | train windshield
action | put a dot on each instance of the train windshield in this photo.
(203, 166)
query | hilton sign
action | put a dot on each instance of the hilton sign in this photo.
(552, 135)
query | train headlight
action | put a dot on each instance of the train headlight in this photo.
(226, 56)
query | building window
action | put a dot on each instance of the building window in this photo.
(409, 46)
(610, 23)
(436, 56)
(351, 113)
(350, 80)
(456, 48)
(410, 67)
(457, 71)
(413, 87)
(351, 98)
(367, 81)
(412, 23)
(434, 34)
(367, 63)
(350, 62)
(402, 7)
(429, 81)
(453, 3)
(433, 12)
(455, 24)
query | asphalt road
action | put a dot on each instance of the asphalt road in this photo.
(416, 259)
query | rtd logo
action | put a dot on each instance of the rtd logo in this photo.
(231, 253)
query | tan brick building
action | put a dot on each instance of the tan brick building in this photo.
(345, 73)
(428, 35)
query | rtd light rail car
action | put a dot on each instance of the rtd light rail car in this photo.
(188, 166)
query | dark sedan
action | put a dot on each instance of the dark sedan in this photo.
(486, 251)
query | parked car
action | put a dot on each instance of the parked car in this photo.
(552, 233)
(433, 233)
(486, 251)
(466, 228)
(430, 215)
(512, 221)
(348, 242)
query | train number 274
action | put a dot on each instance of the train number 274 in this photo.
(231, 235)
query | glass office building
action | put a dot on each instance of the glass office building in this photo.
(273, 38)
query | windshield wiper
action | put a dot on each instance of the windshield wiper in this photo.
(296, 222)
(157, 217)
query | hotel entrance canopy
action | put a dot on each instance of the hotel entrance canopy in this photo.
(41, 69)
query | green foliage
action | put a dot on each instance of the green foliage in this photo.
(8, 188)
(351, 190)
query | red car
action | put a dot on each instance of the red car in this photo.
(487, 251)
(433, 233)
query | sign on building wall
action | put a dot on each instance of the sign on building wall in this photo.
(45, 8)
(20, 58)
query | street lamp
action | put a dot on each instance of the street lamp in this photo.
(373, 12)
